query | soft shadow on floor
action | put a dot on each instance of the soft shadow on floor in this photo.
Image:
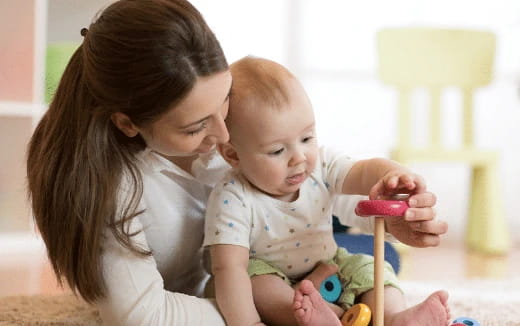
(451, 261)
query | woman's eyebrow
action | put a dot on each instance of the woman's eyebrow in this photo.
(194, 123)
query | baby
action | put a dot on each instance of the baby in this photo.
(268, 222)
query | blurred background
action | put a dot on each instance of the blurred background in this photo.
(330, 45)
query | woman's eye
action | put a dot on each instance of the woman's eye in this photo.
(198, 130)
(277, 152)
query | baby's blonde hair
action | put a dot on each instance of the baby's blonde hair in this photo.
(258, 83)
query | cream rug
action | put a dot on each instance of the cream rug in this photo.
(47, 310)
(491, 302)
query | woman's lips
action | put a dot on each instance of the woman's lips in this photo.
(205, 149)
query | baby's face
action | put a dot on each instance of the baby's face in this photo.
(277, 148)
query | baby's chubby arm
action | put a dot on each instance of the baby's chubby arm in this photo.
(381, 179)
(233, 285)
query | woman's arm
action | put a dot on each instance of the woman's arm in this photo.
(233, 285)
(136, 294)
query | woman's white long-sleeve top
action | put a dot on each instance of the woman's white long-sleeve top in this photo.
(163, 289)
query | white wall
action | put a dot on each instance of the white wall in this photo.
(66, 18)
(330, 45)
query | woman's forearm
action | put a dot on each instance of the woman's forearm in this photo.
(136, 294)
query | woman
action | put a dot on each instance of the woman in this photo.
(120, 166)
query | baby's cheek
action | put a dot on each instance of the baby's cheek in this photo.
(312, 162)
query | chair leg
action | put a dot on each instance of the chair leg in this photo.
(486, 226)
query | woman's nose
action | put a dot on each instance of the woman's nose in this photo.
(219, 130)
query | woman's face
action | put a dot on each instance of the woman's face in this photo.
(195, 124)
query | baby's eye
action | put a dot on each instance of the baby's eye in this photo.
(277, 152)
(307, 139)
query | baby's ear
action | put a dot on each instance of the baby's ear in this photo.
(229, 153)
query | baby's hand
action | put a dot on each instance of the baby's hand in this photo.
(397, 181)
(419, 227)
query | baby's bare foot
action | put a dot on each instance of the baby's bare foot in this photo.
(433, 311)
(310, 309)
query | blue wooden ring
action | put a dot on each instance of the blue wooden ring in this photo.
(331, 288)
(466, 321)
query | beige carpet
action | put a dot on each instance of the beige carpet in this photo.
(46, 311)
(492, 303)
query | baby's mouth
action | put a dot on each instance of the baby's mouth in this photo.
(296, 179)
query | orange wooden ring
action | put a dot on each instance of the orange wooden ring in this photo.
(358, 315)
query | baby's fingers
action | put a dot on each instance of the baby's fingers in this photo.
(407, 181)
(391, 182)
(378, 190)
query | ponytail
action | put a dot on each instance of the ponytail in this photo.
(74, 167)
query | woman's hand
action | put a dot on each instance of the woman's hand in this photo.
(419, 227)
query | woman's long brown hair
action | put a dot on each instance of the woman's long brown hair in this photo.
(140, 57)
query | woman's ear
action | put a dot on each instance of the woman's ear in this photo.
(229, 153)
(123, 123)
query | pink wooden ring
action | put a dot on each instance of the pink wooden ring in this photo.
(381, 208)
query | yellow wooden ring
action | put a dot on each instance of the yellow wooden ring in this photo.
(358, 315)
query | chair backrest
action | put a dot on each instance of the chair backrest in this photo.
(435, 58)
